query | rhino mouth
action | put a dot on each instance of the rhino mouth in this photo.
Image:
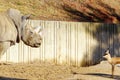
(37, 45)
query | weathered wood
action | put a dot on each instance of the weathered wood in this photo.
(71, 43)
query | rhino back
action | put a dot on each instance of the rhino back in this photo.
(8, 30)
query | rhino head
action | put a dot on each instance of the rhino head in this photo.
(29, 35)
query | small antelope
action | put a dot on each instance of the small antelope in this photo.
(112, 60)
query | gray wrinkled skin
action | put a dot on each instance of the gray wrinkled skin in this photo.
(15, 27)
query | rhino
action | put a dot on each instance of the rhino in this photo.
(15, 27)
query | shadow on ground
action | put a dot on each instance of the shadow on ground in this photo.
(103, 75)
(8, 78)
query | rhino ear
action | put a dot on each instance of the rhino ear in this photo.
(25, 17)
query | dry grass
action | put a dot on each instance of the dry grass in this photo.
(40, 9)
(80, 10)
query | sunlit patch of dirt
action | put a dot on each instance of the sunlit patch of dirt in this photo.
(50, 71)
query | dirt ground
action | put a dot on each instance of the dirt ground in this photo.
(49, 71)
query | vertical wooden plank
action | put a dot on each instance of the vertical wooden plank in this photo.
(42, 23)
(69, 43)
(58, 41)
(55, 42)
(76, 44)
(43, 54)
(81, 43)
(41, 47)
(49, 54)
(89, 43)
(62, 43)
(73, 44)
(52, 41)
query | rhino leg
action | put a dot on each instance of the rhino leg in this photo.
(3, 47)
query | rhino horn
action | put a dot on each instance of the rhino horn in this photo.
(37, 29)
(40, 33)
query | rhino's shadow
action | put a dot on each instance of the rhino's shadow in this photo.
(8, 78)
(103, 75)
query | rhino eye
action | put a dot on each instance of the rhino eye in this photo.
(31, 32)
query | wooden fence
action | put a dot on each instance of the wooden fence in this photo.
(71, 43)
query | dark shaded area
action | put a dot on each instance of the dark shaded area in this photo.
(107, 37)
(91, 11)
(111, 10)
(103, 75)
(77, 15)
(98, 15)
(7, 78)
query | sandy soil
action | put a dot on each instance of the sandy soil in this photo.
(49, 71)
